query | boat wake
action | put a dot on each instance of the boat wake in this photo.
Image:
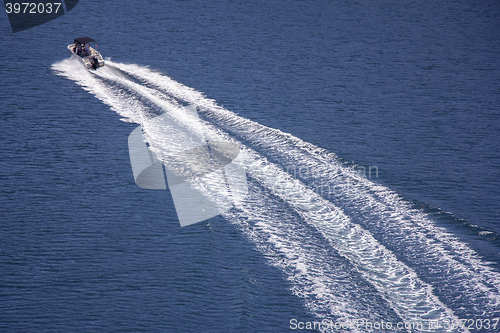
(350, 248)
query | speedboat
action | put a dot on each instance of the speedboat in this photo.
(87, 55)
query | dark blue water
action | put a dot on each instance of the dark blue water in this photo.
(384, 117)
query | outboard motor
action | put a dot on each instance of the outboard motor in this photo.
(95, 62)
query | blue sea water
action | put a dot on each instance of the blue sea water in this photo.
(378, 121)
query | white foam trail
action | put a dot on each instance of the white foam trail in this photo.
(452, 263)
(329, 285)
(132, 110)
(174, 88)
(397, 283)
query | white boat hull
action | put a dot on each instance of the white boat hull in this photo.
(88, 61)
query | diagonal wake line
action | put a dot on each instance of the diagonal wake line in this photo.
(441, 256)
(398, 284)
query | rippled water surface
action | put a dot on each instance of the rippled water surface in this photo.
(369, 137)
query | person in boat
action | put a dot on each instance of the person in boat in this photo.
(87, 50)
(78, 49)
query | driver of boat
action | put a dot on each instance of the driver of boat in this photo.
(87, 49)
